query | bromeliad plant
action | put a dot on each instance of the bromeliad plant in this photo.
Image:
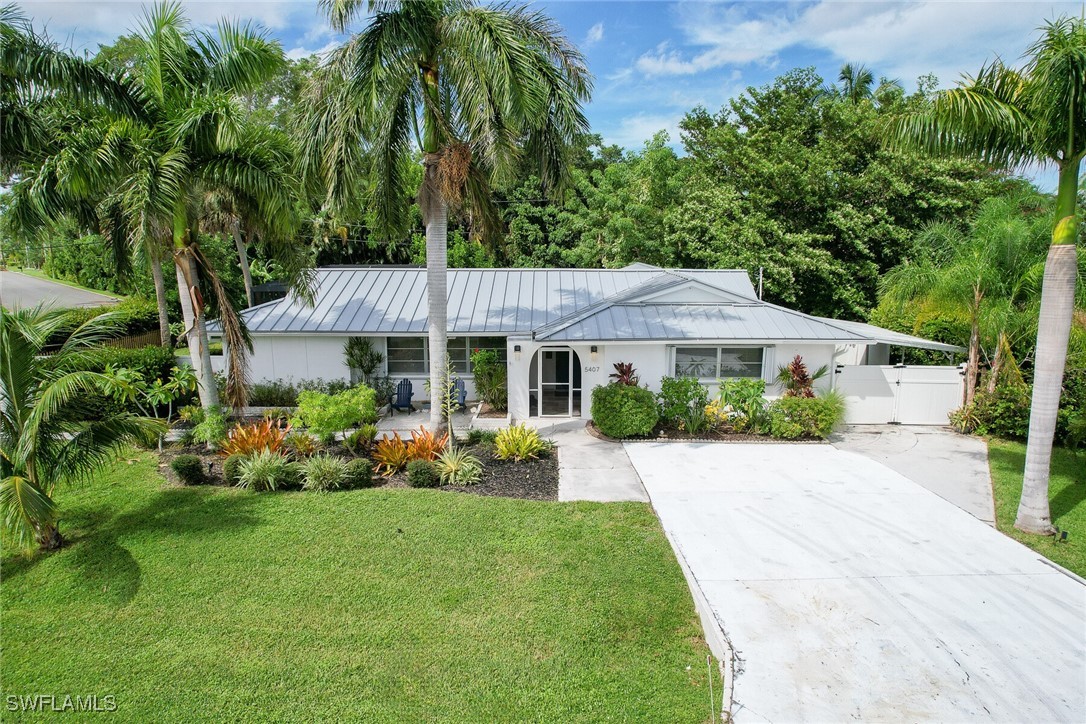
(256, 436)
(46, 438)
(391, 454)
(425, 445)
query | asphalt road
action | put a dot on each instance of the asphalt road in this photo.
(19, 290)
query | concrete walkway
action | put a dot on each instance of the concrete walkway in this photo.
(844, 591)
(590, 468)
(20, 290)
(953, 466)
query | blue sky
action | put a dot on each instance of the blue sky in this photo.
(653, 61)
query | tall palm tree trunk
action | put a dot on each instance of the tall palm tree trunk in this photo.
(243, 256)
(160, 300)
(192, 312)
(437, 262)
(1053, 335)
(972, 368)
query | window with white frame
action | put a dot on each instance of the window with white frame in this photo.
(718, 362)
(411, 355)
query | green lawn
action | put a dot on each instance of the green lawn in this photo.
(409, 605)
(1067, 493)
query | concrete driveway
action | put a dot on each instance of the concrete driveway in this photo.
(20, 290)
(846, 591)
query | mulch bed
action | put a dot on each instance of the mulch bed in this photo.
(528, 480)
(671, 434)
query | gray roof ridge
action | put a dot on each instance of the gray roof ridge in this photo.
(661, 280)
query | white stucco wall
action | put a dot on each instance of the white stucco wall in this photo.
(308, 357)
(652, 360)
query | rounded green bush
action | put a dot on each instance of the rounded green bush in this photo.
(423, 474)
(190, 469)
(623, 410)
(359, 473)
(231, 469)
(795, 417)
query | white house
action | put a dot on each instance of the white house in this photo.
(559, 330)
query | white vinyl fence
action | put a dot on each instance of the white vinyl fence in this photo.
(900, 394)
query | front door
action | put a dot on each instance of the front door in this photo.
(556, 383)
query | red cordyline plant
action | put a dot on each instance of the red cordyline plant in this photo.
(625, 374)
(796, 380)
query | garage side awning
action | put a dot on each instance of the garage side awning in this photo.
(896, 339)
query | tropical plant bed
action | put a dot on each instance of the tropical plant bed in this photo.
(203, 603)
(528, 479)
(665, 433)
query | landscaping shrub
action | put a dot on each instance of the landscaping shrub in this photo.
(422, 474)
(211, 429)
(796, 417)
(327, 414)
(491, 384)
(361, 356)
(391, 454)
(266, 470)
(277, 393)
(744, 404)
(324, 472)
(150, 363)
(359, 473)
(254, 437)
(459, 467)
(622, 411)
(518, 442)
(190, 469)
(425, 445)
(231, 469)
(481, 437)
(677, 396)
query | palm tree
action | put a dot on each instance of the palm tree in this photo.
(1036, 115)
(45, 439)
(480, 90)
(987, 271)
(857, 82)
(190, 140)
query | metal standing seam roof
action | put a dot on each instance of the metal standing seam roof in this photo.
(677, 321)
(556, 304)
(897, 339)
(392, 300)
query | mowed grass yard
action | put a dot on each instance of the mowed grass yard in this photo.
(412, 605)
(1067, 496)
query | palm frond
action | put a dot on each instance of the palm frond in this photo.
(25, 508)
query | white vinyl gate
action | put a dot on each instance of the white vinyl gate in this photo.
(901, 394)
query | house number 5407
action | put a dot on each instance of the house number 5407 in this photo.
(592, 369)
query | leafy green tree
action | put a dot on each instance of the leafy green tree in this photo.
(480, 89)
(829, 207)
(1036, 115)
(45, 436)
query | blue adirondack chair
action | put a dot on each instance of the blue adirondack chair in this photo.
(404, 393)
(461, 393)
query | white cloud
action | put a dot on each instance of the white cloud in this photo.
(635, 130)
(85, 25)
(896, 39)
(302, 52)
(595, 35)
